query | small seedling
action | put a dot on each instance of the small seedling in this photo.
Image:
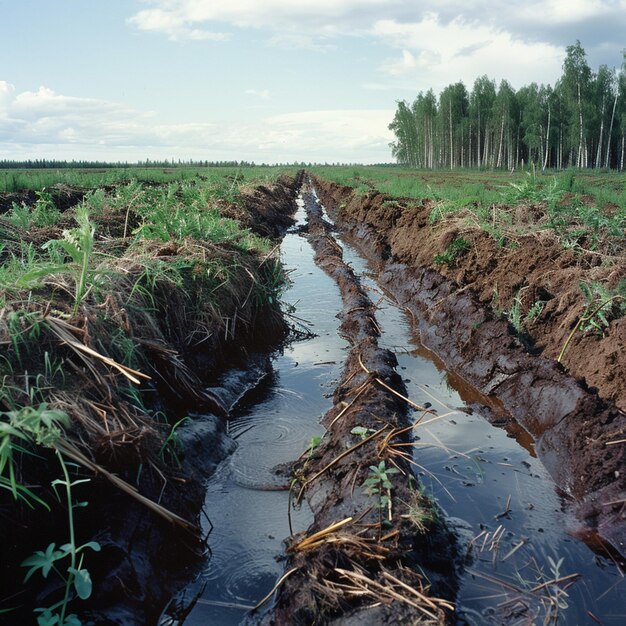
(378, 484)
(362, 432)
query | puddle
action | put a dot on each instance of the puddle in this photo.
(487, 479)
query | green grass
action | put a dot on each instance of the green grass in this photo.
(13, 180)
(586, 210)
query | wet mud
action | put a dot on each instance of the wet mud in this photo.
(576, 431)
(360, 550)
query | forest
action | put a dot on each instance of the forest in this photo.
(578, 122)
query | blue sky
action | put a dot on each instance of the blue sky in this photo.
(264, 80)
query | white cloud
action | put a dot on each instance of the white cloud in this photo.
(354, 16)
(311, 15)
(45, 124)
(263, 94)
(438, 53)
(567, 11)
(174, 24)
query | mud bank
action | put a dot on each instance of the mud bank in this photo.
(574, 429)
(366, 545)
(136, 433)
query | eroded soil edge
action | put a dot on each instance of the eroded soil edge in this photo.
(574, 428)
(140, 433)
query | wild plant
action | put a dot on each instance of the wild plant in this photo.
(515, 314)
(532, 190)
(96, 200)
(452, 252)
(420, 511)
(24, 328)
(378, 484)
(171, 445)
(76, 577)
(78, 244)
(603, 306)
(21, 429)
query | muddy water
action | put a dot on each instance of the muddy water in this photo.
(272, 425)
(513, 524)
(510, 519)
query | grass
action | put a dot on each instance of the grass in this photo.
(14, 180)
(586, 210)
(449, 257)
(101, 304)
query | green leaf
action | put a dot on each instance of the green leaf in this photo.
(82, 582)
(93, 545)
(47, 618)
(42, 560)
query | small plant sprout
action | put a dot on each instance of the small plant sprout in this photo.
(378, 485)
(362, 432)
(603, 306)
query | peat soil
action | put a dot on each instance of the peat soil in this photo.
(377, 555)
(576, 417)
(144, 558)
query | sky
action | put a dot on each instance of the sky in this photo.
(269, 81)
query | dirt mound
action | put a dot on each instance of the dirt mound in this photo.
(262, 215)
(373, 540)
(579, 436)
(536, 269)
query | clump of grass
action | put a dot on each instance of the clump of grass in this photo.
(603, 306)
(42, 213)
(420, 511)
(452, 253)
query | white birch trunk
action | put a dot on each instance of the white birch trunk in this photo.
(608, 143)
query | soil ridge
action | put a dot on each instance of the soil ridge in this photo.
(574, 429)
(361, 549)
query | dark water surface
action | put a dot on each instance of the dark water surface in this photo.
(512, 523)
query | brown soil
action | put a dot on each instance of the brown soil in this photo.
(574, 427)
(136, 572)
(63, 196)
(338, 578)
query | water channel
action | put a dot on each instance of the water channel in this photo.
(512, 523)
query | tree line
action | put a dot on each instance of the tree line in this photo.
(580, 122)
(31, 164)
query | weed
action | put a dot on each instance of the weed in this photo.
(535, 311)
(378, 485)
(452, 252)
(515, 314)
(171, 444)
(76, 578)
(40, 425)
(43, 213)
(606, 305)
(78, 244)
(420, 511)
(603, 306)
